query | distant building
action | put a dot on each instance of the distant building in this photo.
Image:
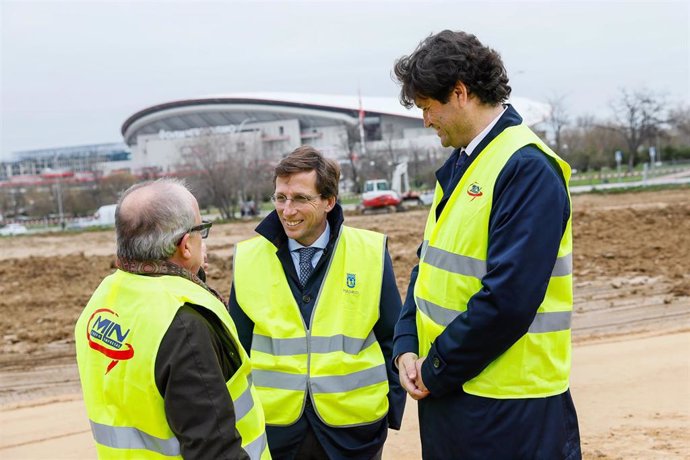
(270, 125)
(263, 126)
(78, 163)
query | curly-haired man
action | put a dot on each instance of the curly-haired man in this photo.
(483, 341)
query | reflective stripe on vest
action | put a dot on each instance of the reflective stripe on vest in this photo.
(453, 263)
(132, 417)
(543, 322)
(298, 346)
(125, 437)
(469, 266)
(258, 448)
(337, 359)
(121, 437)
(330, 384)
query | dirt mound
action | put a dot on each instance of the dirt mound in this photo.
(650, 241)
(41, 298)
(628, 246)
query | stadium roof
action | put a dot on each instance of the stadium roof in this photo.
(312, 109)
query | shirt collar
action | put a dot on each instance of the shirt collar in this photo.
(475, 142)
(320, 243)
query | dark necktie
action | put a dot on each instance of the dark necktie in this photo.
(305, 267)
(462, 159)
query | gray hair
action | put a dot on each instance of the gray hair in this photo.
(150, 228)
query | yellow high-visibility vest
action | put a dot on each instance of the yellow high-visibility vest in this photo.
(117, 339)
(453, 262)
(337, 358)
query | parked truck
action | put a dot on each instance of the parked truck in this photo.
(103, 217)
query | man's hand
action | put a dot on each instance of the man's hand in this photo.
(409, 374)
(419, 383)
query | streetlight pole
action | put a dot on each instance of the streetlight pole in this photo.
(60, 210)
(58, 186)
(242, 193)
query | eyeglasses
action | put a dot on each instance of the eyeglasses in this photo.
(203, 228)
(297, 200)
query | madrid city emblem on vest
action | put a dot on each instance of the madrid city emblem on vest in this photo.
(107, 336)
(474, 190)
(351, 280)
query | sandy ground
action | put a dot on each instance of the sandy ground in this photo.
(631, 360)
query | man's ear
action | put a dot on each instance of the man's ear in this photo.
(461, 92)
(184, 249)
(331, 203)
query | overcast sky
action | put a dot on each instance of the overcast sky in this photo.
(72, 72)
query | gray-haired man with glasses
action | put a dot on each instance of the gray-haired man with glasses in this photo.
(160, 363)
(203, 228)
(315, 304)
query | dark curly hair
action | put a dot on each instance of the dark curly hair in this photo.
(441, 60)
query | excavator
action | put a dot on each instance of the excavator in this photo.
(379, 196)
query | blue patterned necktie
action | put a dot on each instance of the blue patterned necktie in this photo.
(305, 267)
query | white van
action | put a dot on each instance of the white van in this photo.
(103, 217)
(13, 229)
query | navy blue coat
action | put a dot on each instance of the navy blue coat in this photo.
(362, 442)
(529, 213)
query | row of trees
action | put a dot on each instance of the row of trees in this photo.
(639, 120)
(78, 200)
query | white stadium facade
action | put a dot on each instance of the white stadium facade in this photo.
(259, 126)
(271, 125)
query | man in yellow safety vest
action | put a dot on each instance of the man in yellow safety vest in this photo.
(161, 367)
(483, 341)
(315, 303)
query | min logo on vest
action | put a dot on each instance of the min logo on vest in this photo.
(474, 190)
(106, 336)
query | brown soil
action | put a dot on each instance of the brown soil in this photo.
(631, 270)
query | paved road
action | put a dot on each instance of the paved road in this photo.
(623, 185)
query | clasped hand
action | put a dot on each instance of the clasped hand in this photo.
(410, 371)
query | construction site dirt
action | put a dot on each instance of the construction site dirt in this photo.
(631, 325)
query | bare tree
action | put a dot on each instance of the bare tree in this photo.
(259, 187)
(679, 121)
(421, 166)
(589, 144)
(106, 189)
(638, 117)
(677, 139)
(41, 201)
(212, 164)
(558, 119)
(348, 141)
(13, 201)
(388, 135)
